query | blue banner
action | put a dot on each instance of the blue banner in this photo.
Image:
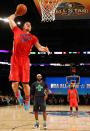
(57, 85)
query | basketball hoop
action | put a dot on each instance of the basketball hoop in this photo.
(48, 8)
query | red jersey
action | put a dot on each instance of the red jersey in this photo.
(72, 94)
(23, 42)
(20, 63)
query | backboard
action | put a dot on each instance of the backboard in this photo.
(68, 9)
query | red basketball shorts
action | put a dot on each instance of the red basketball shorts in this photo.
(19, 69)
(73, 103)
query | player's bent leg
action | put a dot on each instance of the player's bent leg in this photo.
(27, 96)
(17, 92)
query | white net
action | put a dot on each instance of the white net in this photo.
(48, 8)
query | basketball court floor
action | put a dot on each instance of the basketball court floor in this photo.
(14, 118)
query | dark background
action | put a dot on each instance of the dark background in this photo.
(58, 35)
(61, 35)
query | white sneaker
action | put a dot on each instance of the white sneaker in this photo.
(45, 126)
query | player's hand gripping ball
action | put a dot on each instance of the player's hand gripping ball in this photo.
(21, 9)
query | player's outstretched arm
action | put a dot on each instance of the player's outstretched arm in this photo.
(11, 21)
(42, 48)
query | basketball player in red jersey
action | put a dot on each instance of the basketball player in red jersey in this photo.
(73, 97)
(20, 63)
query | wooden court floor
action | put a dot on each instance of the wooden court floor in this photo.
(14, 118)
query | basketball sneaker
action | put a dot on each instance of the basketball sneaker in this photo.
(19, 98)
(27, 103)
(36, 125)
(45, 126)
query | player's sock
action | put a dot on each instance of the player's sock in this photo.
(44, 124)
(19, 97)
(27, 103)
(36, 121)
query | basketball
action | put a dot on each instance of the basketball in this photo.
(21, 9)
